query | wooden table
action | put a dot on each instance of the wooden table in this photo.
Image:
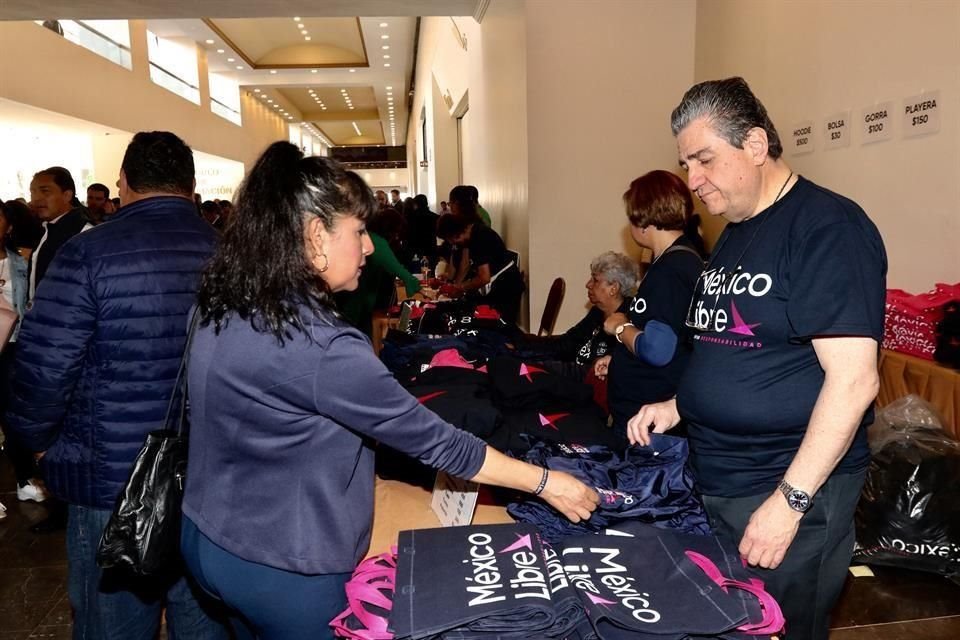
(901, 374)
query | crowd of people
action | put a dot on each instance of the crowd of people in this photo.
(764, 356)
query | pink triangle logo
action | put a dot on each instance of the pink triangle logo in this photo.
(600, 601)
(739, 326)
(548, 421)
(482, 369)
(528, 371)
(523, 542)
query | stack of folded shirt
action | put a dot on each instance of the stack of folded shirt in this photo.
(481, 582)
(649, 484)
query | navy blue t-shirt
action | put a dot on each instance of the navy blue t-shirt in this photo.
(663, 295)
(810, 265)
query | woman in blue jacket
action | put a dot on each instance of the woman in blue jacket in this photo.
(287, 400)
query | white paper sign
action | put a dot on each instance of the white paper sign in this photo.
(921, 114)
(836, 130)
(802, 139)
(454, 500)
(877, 122)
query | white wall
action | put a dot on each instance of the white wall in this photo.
(387, 179)
(39, 68)
(602, 81)
(806, 60)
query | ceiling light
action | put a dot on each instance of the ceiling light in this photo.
(323, 107)
(269, 100)
(356, 128)
(239, 67)
(231, 60)
(273, 71)
(300, 25)
(350, 107)
(384, 24)
(209, 41)
(219, 50)
(385, 47)
(313, 71)
(386, 57)
(386, 64)
(256, 90)
(384, 37)
(296, 18)
(307, 38)
(353, 70)
(389, 98)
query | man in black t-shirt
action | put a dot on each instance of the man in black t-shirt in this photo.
(780, 385)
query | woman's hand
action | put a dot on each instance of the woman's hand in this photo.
(662, 416)
(601, 367)
(613, 321)
(569, 496)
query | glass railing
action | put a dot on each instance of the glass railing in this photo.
(170, 82)
(224, 111)
(89, 38)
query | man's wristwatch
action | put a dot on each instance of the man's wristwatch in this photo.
(618, 332)
(797, 499)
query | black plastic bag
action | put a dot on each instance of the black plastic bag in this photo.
(143, 533)
(909, 512)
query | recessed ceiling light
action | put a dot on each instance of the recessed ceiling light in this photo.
(269, 100)
(231, 60)
(322, 107)
(256, 90)
(219, 50)
(239, 67)
(389, 98)
(389, 88)
(350, 107)
(307, 38)
(313, 71)
(384, 24)
(385, 47)
(356, 128)
(209, 41)
(300, 25)
(274, 71)
(386, 64)
(384, 37)
(353, 70)
(386, 57)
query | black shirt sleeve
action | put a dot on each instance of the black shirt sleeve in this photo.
(486, 247)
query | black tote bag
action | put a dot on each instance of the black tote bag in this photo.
(143, 533)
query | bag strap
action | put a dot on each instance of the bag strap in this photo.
(682, 247)
(181, 382)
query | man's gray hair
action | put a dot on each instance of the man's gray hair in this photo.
(618, 269)
(732, 110)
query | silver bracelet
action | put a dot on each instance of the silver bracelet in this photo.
(543, 482)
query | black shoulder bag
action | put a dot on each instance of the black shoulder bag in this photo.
(143, 533)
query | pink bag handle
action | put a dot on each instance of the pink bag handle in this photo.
(372, 575)
(772, 620)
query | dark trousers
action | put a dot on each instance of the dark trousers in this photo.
(110, 604)
(266, 603)
(811, 577)
(24, 466)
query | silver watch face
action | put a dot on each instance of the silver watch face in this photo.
(798, 500)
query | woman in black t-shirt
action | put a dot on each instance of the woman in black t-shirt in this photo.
(652, 349)
(497, 281)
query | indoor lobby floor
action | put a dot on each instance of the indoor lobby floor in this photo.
(892, 605)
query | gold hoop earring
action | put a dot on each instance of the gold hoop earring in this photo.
(326, 262)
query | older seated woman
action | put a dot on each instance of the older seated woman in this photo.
(613, 281)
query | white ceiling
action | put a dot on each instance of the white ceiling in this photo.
(129, 9)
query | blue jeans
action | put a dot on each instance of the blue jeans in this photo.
(113, 604)
(808, 582)
(266, 603)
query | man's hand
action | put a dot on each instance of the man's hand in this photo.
(615, 320)
(770, 533)
(662, 416)
(601, 367)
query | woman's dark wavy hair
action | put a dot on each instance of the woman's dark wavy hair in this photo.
(260, 270)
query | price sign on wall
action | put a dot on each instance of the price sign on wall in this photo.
(877, 122)
(836, 130)
(802, 138)
(921, 114)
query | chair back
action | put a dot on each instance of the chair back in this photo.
(552, 308)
